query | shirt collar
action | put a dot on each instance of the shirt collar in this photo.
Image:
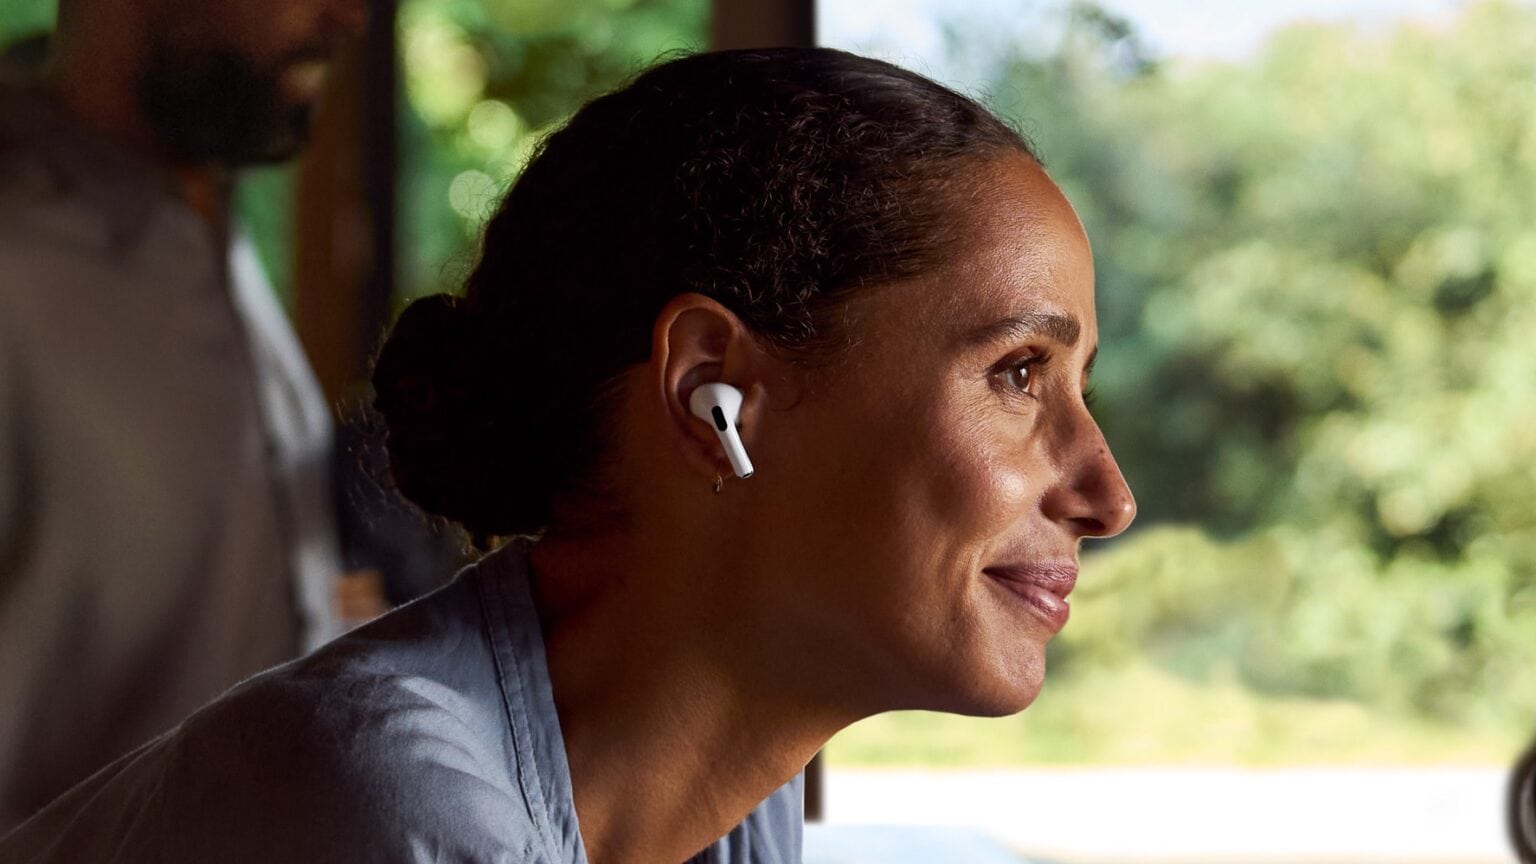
(518, 643)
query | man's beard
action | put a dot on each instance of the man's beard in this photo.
(213, 105)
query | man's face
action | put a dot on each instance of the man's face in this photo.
(236, 81)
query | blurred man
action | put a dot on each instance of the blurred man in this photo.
(167, 525)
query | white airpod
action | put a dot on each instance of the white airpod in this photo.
(719, 405)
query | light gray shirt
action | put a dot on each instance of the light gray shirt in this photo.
(429, 735)
(166, 521)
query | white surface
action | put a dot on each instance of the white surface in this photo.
(1380, 816)
(888, 844)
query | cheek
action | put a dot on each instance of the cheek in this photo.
(941, 495)
(983, 480)
(916, 499)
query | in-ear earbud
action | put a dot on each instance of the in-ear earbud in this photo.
(719, 405)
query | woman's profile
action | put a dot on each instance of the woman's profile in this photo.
(638, 672)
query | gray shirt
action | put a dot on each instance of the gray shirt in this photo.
(429, 735)
(166, 525)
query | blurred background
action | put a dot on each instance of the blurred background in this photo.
(1315, 233)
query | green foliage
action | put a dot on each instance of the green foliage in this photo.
(486, 80)
(1288, 612)
(263, 203)
(1140, 713)
(22, 18)
(1321, 264)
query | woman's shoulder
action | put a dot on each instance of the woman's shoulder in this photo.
(419, 684)
(394, 736)
(388, 767)
(390, 743)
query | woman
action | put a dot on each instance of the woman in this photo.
(904, 301)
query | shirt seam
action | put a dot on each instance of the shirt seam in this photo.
(509, 678)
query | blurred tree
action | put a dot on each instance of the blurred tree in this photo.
(22, 18)
(486, 80)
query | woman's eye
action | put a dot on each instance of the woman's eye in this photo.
(1020, 375)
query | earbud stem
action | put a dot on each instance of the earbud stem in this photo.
(736, 453)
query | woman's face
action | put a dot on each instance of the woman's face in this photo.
(925, 498)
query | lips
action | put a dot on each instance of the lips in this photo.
(1043, 587)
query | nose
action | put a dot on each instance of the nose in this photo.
(1091, 497)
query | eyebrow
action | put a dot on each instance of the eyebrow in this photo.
(1062, 328)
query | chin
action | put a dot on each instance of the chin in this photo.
(1004, 701)
(991, 692)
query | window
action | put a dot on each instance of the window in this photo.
(1313, 299)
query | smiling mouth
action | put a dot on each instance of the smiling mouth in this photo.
(1043, 587)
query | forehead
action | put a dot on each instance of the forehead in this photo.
(1022, 248)
(1019, 249)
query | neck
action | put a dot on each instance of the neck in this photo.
(673, 731)
(94, 82)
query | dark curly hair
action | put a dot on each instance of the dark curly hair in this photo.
(775, 181)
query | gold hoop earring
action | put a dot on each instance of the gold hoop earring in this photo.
(719, 483)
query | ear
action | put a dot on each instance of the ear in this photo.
(696, 341)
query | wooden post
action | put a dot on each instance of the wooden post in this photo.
(345, 204)
(762, 23)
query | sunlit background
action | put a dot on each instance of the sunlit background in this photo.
(1316, 251)
(1315, 232)
(1316, 244)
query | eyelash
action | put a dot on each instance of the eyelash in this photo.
(1034, 364)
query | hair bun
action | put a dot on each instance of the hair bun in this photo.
(417, 363)
(426, 383)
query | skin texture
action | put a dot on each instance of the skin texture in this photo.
(704, 641)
